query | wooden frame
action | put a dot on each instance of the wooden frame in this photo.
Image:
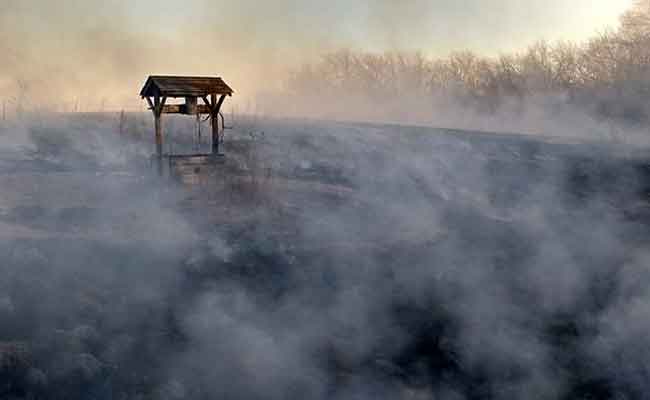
(213, 91)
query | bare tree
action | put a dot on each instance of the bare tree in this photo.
(635, 23)
(612, 67)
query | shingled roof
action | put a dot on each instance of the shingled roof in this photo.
(184, 86)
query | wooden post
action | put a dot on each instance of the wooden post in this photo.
(157, 107)
(158, 126)
(159, 145)
(214, 118)
(214, 121)
(122, 123)
(198, 132)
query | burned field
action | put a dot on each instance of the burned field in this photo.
(325, 260)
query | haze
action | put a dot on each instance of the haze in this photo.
(98, 52)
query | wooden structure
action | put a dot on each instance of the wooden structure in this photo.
(212, 91)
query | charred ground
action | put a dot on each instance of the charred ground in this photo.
(329, 260)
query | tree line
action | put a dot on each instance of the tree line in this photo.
(608, 76)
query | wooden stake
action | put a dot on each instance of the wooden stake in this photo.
(122, 123)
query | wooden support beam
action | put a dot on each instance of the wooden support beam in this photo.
(198, 131)
(162, 104)
(214, 120)
(159, 145)
(158, 105)
(217, 108)
(173, 109)
(181, 109)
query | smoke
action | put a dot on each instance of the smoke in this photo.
(325, 260)
(346, 261)
(73, 56)
(91, 55)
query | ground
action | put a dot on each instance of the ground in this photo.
(326, 260)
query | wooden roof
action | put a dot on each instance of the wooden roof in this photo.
(184, 86)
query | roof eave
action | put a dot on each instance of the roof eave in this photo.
(154, 88)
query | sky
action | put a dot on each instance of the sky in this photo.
(432, 26)
(110, 46)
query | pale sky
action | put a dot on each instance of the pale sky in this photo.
(432, 26)
(111, 45)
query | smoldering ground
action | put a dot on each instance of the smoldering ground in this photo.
(350, 261)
